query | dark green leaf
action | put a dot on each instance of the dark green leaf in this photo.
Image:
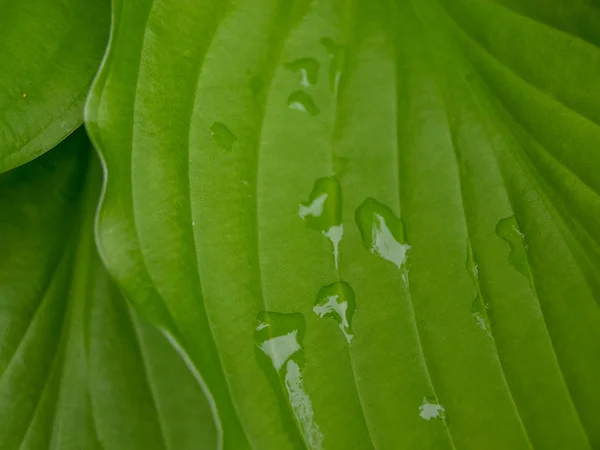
(78, 368)
(49, 54)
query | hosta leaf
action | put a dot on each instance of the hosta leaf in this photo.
(78, 368)
(369, 224)
(49, 54)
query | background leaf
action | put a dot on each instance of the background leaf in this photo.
(78, 368)
(376, 221)
(50, 52)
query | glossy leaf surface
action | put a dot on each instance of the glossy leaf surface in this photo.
(78, 368)
(49, 54)
(369, 224)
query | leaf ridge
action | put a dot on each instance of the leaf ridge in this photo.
(505, 381)
(189, 213)
(274, 61)
(527, 83)
(147, 378)
(410, 302)
(339, 88)
(45, 296)
(535, 293)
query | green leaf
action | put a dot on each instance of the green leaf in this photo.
(49, 54)
(369, 224)
(79, 369)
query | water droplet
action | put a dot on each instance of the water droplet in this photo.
(336, 55)
(431, 409)
(337, 301)
(508, 230)
(279, 337)
(335, 235)
(301, 101)
(478, 308)
(382, 232)
(308, 69)
(323, 211)
(223, 136)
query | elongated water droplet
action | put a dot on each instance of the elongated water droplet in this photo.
(336, 62)
(478, 308)
(279, 337)
(323, 211)
(508, 230)
(223, 136)
(301, 101)
(335, 235)
(308, 68)
(337, 301)
(432, 409)
(382, 232)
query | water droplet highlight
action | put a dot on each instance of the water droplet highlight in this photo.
(478, 308)
(308, 68)
(431, 409)
(323, 211)
(223, 136)
(337, 301)
(279, 337)
(335, 235)
(336, 56)
(301, 101)
(508, 230)
(382, 232)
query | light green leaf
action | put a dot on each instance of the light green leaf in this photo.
(78, 368)
(369, 224)
(50, 51)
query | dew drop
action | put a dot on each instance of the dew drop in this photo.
(323, 211)
(308, 68)
(301, 101)
(478, 308)
(432, 409)
(336, 55)
(337, 301)
(223, 136)
(279, 337)
(382, 232)
(335, 235)
(508, 230)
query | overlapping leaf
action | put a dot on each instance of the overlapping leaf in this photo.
(49, 53)
(78, 368)
(369, 224)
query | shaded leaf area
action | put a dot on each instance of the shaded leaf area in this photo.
(49, 55)
(400, 250)
(78, 368)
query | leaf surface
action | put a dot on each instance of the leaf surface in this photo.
(79, 369)
(369, 224)
(49, 55)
